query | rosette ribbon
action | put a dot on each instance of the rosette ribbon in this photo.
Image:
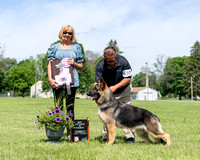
(64, 76)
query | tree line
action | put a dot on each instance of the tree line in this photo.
(173, 77)
(170, 76)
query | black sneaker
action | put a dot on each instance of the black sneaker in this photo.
(104, 140)
(130, 140)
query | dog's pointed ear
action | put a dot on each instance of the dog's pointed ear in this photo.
(103, 83)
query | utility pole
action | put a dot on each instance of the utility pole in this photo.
(36, 80)
(191, 88)
(147, 80)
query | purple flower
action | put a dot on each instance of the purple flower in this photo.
(57, 111)
(49, 113)
(38, 127)
(64, 126)
(34, 122)
(57, 107)
(70, 113)
(38, 116)
(67, 119)
(63, 113)
(58, 119)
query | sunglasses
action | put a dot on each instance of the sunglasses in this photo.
(69, 33)
(111, 61)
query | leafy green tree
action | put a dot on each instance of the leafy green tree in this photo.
(6, 63)
(139, 80)
(173, 76)
(39, 64)
(193, 70)
(85, 76)
(22, 77)
(44, 77)
(114, 44)
(1, 81)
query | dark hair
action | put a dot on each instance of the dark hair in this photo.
(109, 51)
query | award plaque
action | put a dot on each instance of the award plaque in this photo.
(56, 68)
(80, 132)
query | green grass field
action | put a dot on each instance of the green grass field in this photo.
(19, 138)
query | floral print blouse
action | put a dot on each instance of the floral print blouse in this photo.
(55, 52)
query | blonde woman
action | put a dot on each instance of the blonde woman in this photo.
(73, 52)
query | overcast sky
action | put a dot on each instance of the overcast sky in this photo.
(143, 29)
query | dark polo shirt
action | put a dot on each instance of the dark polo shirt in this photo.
(114, 75)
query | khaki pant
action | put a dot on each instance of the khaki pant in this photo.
(124, 97)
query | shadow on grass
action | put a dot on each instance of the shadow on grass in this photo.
(122, 139)
(117, 139)
(62, 140)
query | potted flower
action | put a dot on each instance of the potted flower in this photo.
(55, 121)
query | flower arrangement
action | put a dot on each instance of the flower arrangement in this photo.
(55, 118)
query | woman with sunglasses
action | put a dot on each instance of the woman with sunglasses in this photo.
(73, 52)
(116, 72)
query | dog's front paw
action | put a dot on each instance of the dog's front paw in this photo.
(110, 142)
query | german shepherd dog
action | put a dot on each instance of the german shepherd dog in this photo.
(116, 114)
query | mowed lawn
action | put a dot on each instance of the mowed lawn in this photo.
(20, 139)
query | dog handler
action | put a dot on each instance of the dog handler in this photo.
(116, 72)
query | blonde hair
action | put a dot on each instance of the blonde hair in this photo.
(66, 28)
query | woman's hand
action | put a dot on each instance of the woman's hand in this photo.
(53, 83)
(77, 65)
(70, 61)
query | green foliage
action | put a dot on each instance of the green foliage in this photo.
(44, 76)
(114, 44)
(1, 81)
(172, 80)
(21, 77)
(85, 75)
(139, 80)
(92, 60)
(192, 69)
(6, 64)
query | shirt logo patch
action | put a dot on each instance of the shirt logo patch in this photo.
(127, 73)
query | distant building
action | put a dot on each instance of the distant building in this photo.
(39, 93)
(143, 93)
